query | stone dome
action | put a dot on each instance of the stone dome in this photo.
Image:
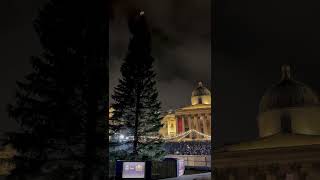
(200, 95)
(201, 90)
(288, 93)
(289, 107)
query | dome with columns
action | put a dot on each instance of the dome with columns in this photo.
(289, 107)
(200, 95)
(288, 93)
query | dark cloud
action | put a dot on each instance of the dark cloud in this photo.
(181, 45)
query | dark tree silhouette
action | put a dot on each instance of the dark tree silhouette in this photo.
(61, 105)
(96, 52)
(136, 107)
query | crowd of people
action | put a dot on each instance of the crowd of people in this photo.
(188, 147)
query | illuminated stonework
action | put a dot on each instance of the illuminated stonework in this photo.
(289, 107)
(195, 117)
(201, 95)
(6, 160)
(169, 126)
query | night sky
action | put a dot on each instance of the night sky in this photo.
(253, 38)
(181, 46)
(18, 41)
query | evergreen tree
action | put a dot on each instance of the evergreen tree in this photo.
(136, 107)
(96, 54)
(60, 106)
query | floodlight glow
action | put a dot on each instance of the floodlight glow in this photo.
(121, 136)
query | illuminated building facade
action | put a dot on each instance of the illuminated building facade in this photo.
(6, 159)
(195, 117)
(170, 125)
(288, 146)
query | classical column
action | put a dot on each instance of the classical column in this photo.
(261, 173)
(252, 173)
(203, 121)
(193, 126)
(232, 173)
(270, 176)
(182, 119)
(293, 170)
(180, 124)
(189, 124)
(272, 171)
(177, 124)
(197, 122)
(209, 126)
(204, 127)
(305, 170)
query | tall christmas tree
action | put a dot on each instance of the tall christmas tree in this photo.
(136, 107)
(60, 106)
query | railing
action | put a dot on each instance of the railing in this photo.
(194, 160)
(163, 169)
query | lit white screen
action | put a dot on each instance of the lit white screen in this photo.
(133, 170)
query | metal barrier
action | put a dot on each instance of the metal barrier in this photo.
(194, 160)
(162, 169)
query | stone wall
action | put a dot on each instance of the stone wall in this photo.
(290, 163)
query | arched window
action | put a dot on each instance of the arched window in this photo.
(171, 125)
(286, 123)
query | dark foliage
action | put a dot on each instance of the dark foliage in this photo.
(136, 107)
(61, 104)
